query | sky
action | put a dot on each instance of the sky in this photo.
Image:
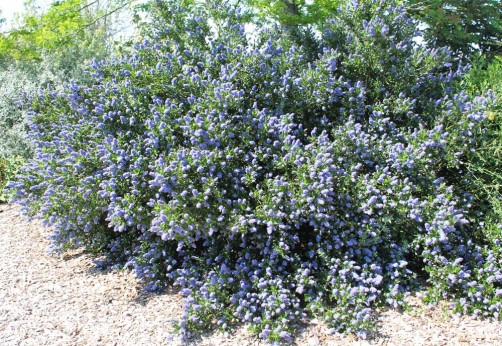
(10, 7)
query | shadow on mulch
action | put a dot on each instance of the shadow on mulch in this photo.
(76, 255)
(198, 338)
(143, 297)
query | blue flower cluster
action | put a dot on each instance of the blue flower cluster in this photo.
(267, 182)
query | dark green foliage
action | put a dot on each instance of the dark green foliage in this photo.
(466, 26)
(9, 167)
(484, 164)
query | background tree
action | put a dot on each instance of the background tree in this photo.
(66, 24)
(467, 26)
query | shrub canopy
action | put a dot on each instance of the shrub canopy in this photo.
(270, 180)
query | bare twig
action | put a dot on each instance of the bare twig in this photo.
(101, 17)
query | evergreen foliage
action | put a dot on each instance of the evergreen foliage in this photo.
(466, 26)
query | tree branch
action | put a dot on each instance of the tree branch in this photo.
(101, 17)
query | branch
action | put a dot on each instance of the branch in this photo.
(75, 11)
(88, 5)
(99, 18)
(43, 24)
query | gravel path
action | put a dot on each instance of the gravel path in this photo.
(47, 300)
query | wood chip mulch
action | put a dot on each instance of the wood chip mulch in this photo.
(48, 300)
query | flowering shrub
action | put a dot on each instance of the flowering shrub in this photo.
(18, 77)
(269, 181)
(32, 56)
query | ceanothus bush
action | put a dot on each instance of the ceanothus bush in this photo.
(269, 181)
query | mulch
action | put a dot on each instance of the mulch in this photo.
(65, 300)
